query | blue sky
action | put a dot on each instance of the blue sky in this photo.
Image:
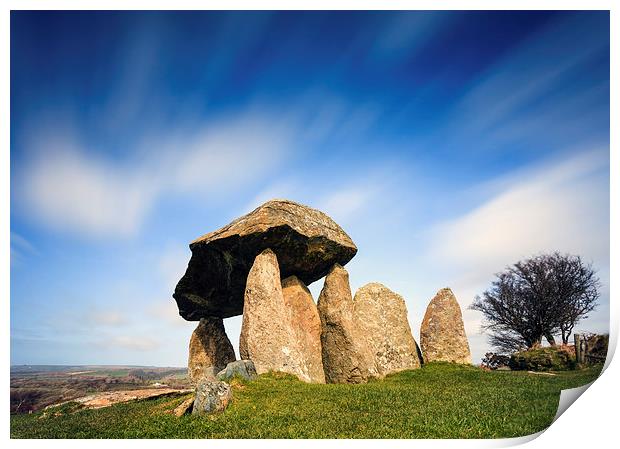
(447, 144)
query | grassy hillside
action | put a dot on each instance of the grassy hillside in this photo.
(437, 401)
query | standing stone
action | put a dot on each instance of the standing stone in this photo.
(381, 316)
(306, 325)
(346, 359)
(442, 335)
(266, 335)
(210, 349)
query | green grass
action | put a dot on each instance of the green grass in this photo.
(438, 401)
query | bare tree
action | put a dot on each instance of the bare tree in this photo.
(577, 291)
(537, 298)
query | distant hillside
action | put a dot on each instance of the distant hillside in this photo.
(64, 368)
(34, 387)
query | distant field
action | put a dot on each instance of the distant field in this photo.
(114, 372)
(39, 369)
(34, 387)
(437, 401)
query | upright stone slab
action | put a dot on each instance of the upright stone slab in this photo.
(266, 335)
(209, 346)
(306, 325)
(346, 358)
(381, 316)
(442, 335)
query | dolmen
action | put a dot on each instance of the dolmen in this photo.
(259, 266)
(306, 242)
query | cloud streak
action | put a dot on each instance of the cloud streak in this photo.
(132, 343)
(107, 318)
(504, 105)
(20, 249)
(344, 204)
(556, 206)
(65, 186)
(67, 190)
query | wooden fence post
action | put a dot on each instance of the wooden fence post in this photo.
(580, 355)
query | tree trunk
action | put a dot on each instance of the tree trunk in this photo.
(550, 339)
(537, 343)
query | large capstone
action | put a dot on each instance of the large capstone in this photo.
(306, 242)
(381, 317)
(346, 356)
(442, 334)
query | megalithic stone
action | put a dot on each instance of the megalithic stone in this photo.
(209, 347)
(306, 325)
(381, 316)
(346, 358)
(442, 334)
(266, 335)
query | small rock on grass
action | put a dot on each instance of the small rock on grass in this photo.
(211, 397)
(242, 368)
(185, 407)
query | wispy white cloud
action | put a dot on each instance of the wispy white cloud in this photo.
(66, 190)
(405, 33)
(343, 205)
(107, 318)
(133, 343)
(166, 312)
(20, 242)
(20, 249)
(162, 311)
(137, 70)
(67, 187)
(227, 153)
(136, 93)
(172, 264)
(529, 71)
(556, 206)
(503, 104)
(86, 321)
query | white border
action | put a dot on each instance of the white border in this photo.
(597, 405)
(311, 5)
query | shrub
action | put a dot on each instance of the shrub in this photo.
(552, 358)
(596, 348)
(493, 360)
(24, 400)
